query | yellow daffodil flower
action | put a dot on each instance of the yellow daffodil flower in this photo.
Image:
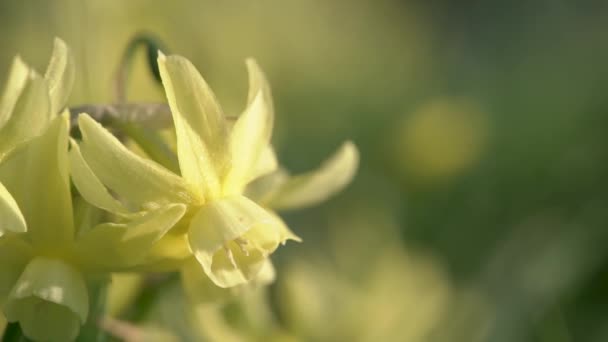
(229, 235)
(45, 262)
(30, 101)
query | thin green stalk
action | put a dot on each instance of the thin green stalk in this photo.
(13, 333)
(152, 45)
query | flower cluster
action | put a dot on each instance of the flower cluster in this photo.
(213, 220)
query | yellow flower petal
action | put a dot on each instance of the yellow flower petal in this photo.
(266, 164)
(11, 218)
(14, 86)
(113, 246)
(202, 135)
(231, 267)
(283, 230)
(36, 175)
(231, 237)
(251, 133)
(89, 186)
(267, 274)
(30, 115)
(133, 178)
(221, 221)
(49, 300)
(60, 75)
(168, 254)
(41, 320)
(199, 288)
(264, 188)
(316, 186)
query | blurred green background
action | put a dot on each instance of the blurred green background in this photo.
(479, 212)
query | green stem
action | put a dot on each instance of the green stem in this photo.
(152, 45)
(148, 296)
(13, 333)
(91, 332)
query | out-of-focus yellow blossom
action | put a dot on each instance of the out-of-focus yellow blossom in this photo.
(439, 140)
(398, 295)
(247, 317)
(46, 263)
(403, 296)
(229, 235)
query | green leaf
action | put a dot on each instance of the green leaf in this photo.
(202, 135)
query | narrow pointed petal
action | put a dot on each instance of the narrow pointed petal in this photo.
(250, 136)
(14, 255)
(49, 300)
(283, 230)
(36, 175)
(316, 186)
(133, 178)
(264, 188)
(14, 85)
(60, 75)
(89, 186)
(11, 218)
(259, 83)
(202, 135)
(266, 164)
(30, 115)
(119, 246)
(231, 237)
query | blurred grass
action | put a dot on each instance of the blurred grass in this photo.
(519, 217)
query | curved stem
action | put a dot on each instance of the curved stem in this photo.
(149, 115)
(152, 45)
(13, 333)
